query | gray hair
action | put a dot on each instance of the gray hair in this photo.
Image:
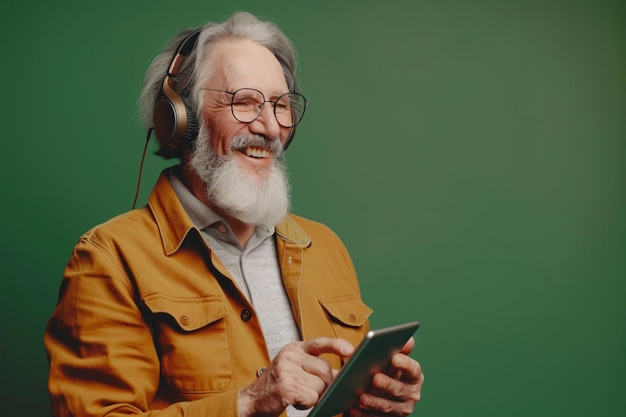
(197, 68)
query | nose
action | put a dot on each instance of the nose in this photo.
(266, 124)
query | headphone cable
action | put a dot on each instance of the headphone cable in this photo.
(143, 157)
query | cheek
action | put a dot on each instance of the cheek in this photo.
(220, 142)
(220, 133)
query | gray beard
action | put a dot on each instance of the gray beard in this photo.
(259, 202)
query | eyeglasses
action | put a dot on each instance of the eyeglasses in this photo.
(247, 104)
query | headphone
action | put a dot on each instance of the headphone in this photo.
(174, 124)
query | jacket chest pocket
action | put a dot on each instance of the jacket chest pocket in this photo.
(348, 314)
(192, 341)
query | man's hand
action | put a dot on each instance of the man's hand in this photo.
(296, 376)
(394, 393)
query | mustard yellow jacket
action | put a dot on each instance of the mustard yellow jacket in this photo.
(149, 322)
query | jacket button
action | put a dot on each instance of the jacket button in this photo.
(352, 317)
(184, 320)
(246, 314)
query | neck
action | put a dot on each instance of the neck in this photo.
(243, 231)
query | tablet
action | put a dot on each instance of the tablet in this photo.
(371, 356)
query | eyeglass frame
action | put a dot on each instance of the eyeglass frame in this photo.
(232, 109)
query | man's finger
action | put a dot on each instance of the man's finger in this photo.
(410, 369)
(321, 345)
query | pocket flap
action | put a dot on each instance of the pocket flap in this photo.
(347, 309)
(190, 313)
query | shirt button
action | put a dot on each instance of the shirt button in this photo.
(221, 228)
(246, 314)
(289, 260)
(184, 320)
(259, 372)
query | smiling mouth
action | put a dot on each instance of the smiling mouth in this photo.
(256, 152)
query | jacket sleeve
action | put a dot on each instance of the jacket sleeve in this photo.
(102, 355)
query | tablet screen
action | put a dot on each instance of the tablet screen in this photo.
(373, 355)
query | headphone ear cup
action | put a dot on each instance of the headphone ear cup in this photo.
(173, 122)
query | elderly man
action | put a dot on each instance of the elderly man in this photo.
(213, 300)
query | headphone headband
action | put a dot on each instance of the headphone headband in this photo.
(182, 52)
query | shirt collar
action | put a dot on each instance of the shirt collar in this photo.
(200, 214)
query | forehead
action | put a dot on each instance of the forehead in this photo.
(240, 63)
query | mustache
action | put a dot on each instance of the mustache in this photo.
(260, 141)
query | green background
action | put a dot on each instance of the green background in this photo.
(471, 155)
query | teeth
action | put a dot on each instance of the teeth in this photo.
(257, 152)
